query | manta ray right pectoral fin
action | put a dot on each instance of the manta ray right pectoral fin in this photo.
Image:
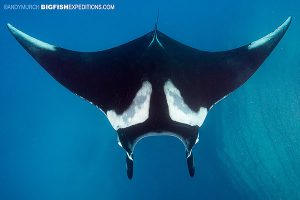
(220, 73)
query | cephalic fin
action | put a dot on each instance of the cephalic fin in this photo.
(129, 166)
(190, 163)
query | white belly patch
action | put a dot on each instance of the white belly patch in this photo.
(136, 113)
(179, 111)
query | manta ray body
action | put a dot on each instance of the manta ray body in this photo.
(153, 85)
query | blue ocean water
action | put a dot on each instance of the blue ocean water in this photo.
(54, 145)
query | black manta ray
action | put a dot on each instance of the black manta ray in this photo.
(153, 85)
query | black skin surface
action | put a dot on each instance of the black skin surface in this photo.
(111, 78)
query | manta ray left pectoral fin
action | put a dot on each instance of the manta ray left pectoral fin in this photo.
(91, 75)
(28, 42)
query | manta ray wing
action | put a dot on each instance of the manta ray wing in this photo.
(153, 85)
(213, 75)
(95, 76)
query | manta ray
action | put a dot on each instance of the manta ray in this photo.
(152, 85)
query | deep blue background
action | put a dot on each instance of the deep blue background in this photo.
(54, 145)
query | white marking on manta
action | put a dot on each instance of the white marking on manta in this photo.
(270, 36)
(218, 101)
(155, 39)
(179, 111)
(26, 37)
(136, 113)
